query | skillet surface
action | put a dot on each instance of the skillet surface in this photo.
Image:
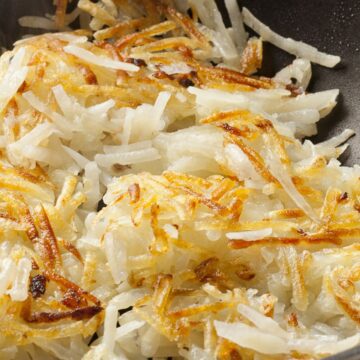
(332, 26)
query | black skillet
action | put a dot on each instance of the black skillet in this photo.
(330, 25)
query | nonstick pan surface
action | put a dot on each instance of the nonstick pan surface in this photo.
(332, 26)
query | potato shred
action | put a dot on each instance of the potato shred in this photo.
(222, 233)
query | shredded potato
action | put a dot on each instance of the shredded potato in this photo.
(39, 296)
(157, 198)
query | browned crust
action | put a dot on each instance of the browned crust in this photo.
(252, 56)
(334, 237)
(49, 244)
(68, 285)
(77, 314)
(134, 193)
(187, 24)
(60, 13)
(72, 249)
(131, 39)
(31, 232)
(120, 29)
(232, 76)
(255, 159)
